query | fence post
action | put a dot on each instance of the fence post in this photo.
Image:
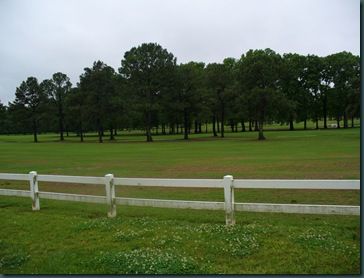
(229, 200)
(110, 194)
(34, 190)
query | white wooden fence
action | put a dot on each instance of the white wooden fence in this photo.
(227, 183)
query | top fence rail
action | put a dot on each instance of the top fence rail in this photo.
(299, 184)
(196, 183)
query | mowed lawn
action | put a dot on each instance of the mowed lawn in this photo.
(322, 154)
(71, 237)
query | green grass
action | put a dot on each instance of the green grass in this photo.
(322, 154)
(65, 238)
(71, 237)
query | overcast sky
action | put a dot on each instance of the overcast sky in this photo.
(41, 37)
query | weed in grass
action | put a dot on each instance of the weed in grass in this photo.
(315, 237)
(146, 261)
(102, 224)
(201, 244)
(12, 261)
(232, 241)
(11, 256)
(324, 239)
(129, 235)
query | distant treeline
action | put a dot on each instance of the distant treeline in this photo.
(150, 90)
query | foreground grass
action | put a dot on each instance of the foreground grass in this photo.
(65, 238)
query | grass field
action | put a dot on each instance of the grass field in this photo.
(326, 154)
(67, 237)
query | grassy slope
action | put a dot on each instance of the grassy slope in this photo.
(66, 237)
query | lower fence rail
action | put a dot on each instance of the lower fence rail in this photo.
(13, 192)
(227, 184)
(170, 204)
(73, 197)
(296, 208)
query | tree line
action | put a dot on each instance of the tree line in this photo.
(151, 91)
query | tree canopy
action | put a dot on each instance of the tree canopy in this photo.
(151, 91)
(150, 70)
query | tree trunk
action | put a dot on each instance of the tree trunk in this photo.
(35, 131)
(346, 124)
(325, 111)
(61, 130)
(185, 121)
(99, 133)
(261, 135)
(261, 121)
(99, 130)
(61, 119)
(214, 125)
(147, 114)
(291, 126)
(112, 138)
(242, 126)
(81, 133)
(222, 119)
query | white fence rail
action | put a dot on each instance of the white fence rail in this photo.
(227, 183)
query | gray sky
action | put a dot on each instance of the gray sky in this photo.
(41, 37)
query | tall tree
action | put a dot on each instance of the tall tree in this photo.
(150, 71)
(30, 97)
(353, 108)
(325, 87)
(291, 84)
(234, 105)
(57, 89)
(187, 94)
(121, 104)
(3, 119)
(312, 77)
(76, 110)
(258, 75)
(219, 79)
(97, 82)
(343, 68)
